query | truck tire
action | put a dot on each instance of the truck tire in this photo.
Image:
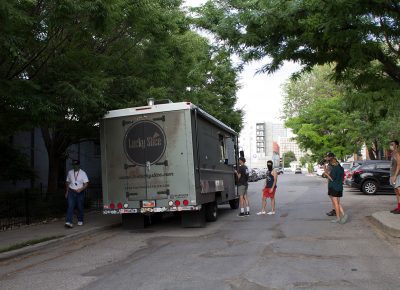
(234, 203)
(211, 211)
(370, 187)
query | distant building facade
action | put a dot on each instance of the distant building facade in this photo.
(257, 141)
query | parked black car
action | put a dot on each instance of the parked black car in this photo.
(371, 176)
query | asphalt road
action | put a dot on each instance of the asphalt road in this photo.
(298, 248)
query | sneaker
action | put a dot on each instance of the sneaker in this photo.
(80, 223)
(241, 214)
(394, 210)
(261, 212)
(335, 221)
(247, 213)
(331, 213)
(271, 213)
(69, 225)
(343, 220)
(397, 211)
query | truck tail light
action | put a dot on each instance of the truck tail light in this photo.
(177, 203)
(185, 202)
(112, 205)
(119, 205)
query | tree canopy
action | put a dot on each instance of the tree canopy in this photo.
(63, 64)
(348, 33)
(338, 117)
(288, 157)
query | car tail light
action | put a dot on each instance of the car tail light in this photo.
(177, 203)
(112, 205)
(119, 205)
(358, 172)
(185, 202)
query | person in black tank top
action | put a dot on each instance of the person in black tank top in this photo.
(269, 190)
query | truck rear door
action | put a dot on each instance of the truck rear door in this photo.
(145, 144)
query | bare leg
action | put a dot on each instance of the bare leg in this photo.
(333, 204)
(241, 201)
(340, 207)
(337, 207)
(264, 203)
(246, 200)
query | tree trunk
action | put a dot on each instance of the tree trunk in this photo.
(56, 146)
(371, 153)
(53, 176)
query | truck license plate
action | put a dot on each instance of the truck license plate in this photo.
(148, 203)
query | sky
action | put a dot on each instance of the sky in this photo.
(260, 95)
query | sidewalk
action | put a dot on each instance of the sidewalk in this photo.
(388, 222)
(46, 233)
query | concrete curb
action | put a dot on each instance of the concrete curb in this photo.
(29, 249)
(388, 222)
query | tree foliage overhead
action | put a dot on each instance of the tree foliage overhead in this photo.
(349, 33)
(338, 117)
(63, 64)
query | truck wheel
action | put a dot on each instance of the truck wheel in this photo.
(370, 187)
(211, 211)
(234, 203)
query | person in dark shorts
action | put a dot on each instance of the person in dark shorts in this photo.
(335, 189)
(270, 189)
(243, 176)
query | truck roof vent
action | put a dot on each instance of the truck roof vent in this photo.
(160, 102)
(152, 101)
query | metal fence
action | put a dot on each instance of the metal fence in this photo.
(30, 206)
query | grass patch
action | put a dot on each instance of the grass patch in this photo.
(28, 243)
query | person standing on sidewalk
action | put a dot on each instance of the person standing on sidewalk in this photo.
(243, 176)
(395, 173)
(335, 189)
(270, 189)
(77, 182)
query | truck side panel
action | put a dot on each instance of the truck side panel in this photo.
(213, 161)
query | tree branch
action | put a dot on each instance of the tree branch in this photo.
(395, 51)
(35, 57)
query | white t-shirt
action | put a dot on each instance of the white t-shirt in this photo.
(76, 179)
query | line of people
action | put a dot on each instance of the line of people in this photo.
(333, 171)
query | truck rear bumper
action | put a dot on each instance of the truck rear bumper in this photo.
(152, 209)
